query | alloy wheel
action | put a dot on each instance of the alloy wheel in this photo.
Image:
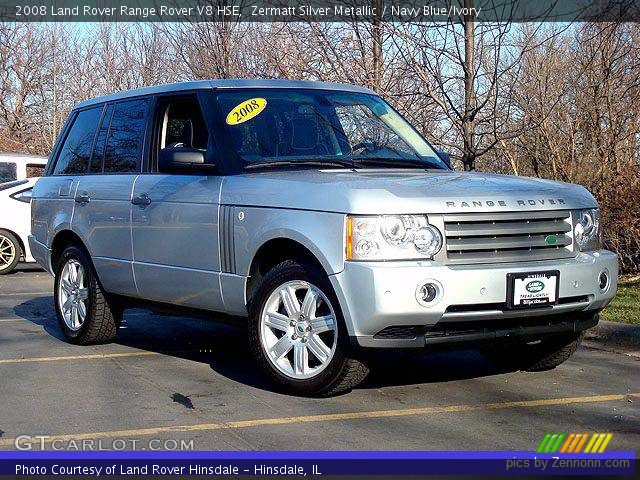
(7, 252)
(73, 294)
(299, 331)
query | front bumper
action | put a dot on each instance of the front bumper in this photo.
(378, 299)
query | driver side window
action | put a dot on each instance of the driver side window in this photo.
(183, 125)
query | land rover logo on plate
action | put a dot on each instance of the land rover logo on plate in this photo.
(530, 290)
(551, 240)
(535, 286)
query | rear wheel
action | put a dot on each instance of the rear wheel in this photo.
(546, 354)
(10, 252)
(83, 311)
(297, 334)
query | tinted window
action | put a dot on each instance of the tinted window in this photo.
(101, 140)
(312, 126)
(76, 151)
(8, 172)
(126, 135)
(183, 125)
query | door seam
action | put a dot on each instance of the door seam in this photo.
(133, 255)
(224, 304)
(73, 205)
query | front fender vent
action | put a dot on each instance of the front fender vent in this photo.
(227, 246)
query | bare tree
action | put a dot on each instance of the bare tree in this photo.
(462, 65)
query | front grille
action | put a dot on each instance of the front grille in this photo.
(508, 237)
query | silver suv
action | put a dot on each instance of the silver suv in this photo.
(321, 215)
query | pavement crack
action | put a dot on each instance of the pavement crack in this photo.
(183, 400)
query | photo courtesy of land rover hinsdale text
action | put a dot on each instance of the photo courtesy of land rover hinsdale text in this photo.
(321, 221)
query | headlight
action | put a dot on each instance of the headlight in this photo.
(587, 229)
(391, 237)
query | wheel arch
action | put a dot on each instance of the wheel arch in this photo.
(61, 240)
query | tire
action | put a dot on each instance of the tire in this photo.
(546, 355)
(10, 252)
(278, 324)
(99, 324)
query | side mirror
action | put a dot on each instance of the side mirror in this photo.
(445, 157)
(183, 160)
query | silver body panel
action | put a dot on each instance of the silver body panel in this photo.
(176, 237)
(53, 210)
(373, 192)
(104, 226)
(194, 244)
(390, 296)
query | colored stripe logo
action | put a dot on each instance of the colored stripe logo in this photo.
(574, 443)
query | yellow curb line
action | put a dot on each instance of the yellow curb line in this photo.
(77, 357)
(326, 417)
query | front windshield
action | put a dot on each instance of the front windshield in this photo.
(295, 127)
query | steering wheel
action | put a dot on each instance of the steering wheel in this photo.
(372, 146)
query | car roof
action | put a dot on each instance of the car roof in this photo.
(225, 84)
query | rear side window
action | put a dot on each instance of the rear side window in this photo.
(76, 151)
(8, 172)
(98, 151)
(123, 152)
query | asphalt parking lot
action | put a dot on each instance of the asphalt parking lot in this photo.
(171, 380)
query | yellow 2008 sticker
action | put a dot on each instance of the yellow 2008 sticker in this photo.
(246, 111)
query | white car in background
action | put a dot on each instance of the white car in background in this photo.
(19, 166)
(15, 223)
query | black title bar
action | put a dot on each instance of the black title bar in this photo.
(319, 10)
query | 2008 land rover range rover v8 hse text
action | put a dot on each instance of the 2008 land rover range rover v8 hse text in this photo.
(317, 212)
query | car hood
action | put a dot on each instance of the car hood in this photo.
(386, 191)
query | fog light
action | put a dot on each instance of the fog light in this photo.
(603, 281)
(428, 293)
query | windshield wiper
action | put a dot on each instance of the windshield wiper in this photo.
(293, 163)
(396, 162)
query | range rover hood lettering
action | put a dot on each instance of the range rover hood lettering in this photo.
(391, 191)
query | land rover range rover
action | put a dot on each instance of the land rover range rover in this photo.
(317, 215)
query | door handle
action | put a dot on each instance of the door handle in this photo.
(141, 200)
(83, 198)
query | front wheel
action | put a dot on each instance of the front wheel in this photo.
(297, 334)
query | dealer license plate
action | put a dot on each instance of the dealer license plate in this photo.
(531, 290)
